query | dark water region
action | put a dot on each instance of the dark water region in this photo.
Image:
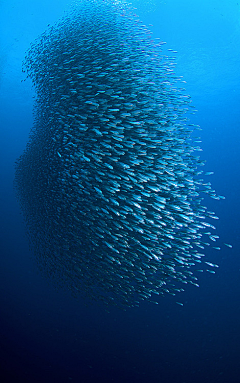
(46, 334)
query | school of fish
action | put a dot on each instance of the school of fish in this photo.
(110, 181)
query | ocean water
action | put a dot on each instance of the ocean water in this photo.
(46, 335)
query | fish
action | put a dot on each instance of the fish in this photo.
(109, 182)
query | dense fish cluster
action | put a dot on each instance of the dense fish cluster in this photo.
(109, 182)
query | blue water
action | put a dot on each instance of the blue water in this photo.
(49, 336)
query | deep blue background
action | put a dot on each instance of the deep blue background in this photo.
(48, 336)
